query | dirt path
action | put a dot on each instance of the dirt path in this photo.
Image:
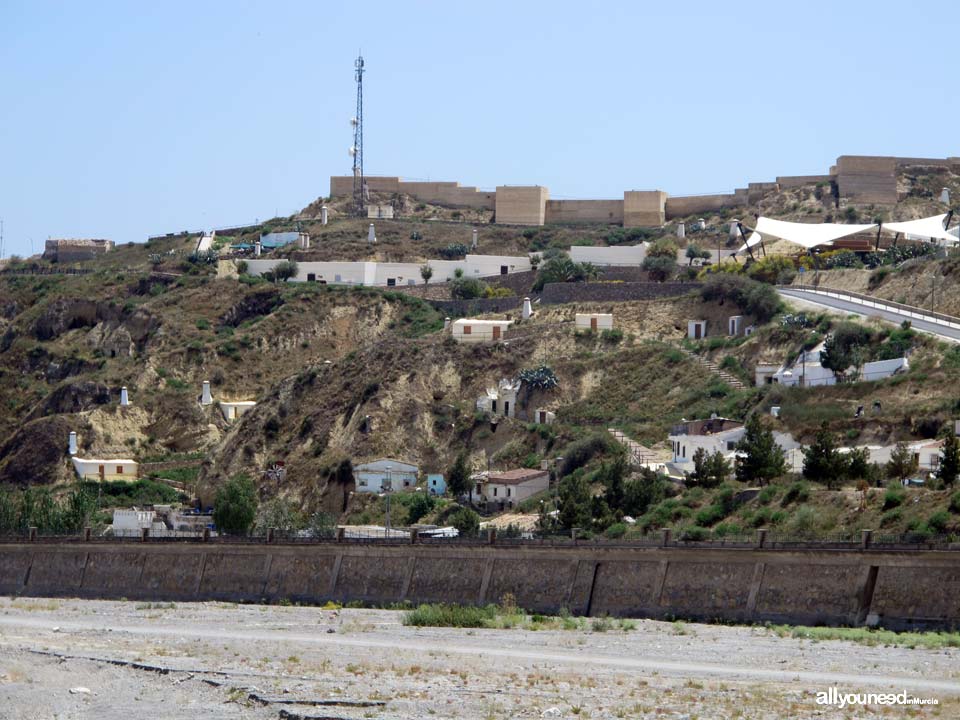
(216, 655)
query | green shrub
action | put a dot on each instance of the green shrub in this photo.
(939, 520)
(894, 497)
(617, 530)
(797, 492)
(767, 494)
(613, 336)
(955, 502)
(459, 616)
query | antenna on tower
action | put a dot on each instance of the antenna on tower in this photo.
(356, 151)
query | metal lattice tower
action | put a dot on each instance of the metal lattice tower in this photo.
(359, 188)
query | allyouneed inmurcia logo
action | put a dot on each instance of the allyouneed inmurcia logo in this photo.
(833, 696)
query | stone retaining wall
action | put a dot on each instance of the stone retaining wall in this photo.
(558, 293)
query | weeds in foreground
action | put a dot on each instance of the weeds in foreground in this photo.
(506, 616)
(867, 636)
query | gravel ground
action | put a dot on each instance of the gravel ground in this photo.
(222, 660)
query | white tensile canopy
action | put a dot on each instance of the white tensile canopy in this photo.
(752, 241)
(807, 235)
(929, 227)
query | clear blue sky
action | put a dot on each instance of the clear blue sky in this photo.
(122, 119)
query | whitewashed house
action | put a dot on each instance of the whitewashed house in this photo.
(807, 370)
(500, 400)
(472, 330)
(504, 490)
(714, 435)
(722, 435)
(384, 474)
(106, 469)
(233, 410)
(594, 321)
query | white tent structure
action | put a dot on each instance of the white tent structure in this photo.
(931, 228)
(753, 240)
(805, 234)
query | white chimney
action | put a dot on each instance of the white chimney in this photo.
(124, 398)
(527, 309)
(681, 230)
(257, 247)
(73, 443)
(474, 239)
(206, 398)
(446, 323)
(304, 241)
(775, 411)
(945, 196)
(371, 234)
(323, 214)
(734, 228)
(701, 224)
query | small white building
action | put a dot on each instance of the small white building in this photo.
(806, 371)
(696, 329)
(544, 417)
(385, 474)
(504, 490)
(763, 373)
(131, 523)
(108, 469)
(594, 321)
(380, 212)
(880, 369)
(232, 410)
(473, 331)
(734, 323)
(500, 400)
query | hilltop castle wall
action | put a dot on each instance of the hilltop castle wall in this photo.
(859, 179)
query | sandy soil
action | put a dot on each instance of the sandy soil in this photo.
(221, 660)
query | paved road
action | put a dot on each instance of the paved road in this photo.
(838, 301)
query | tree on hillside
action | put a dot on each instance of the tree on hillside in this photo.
(709, 470)
(422, 503)
(235, 505)
(285, 271)
(695, 252)
(902, 463)
(762, 459)
(950, 459)
(844, 347)
(560, 268)
(822, 461)
(660, 268)
(426, 272)
(466, 521)
(575, 503)
(458, 477)
(645, 490)
(613, 476)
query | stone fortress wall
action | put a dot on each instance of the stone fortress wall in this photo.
(859, 178)
(892, 588)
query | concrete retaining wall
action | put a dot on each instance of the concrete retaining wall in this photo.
(894, 589)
